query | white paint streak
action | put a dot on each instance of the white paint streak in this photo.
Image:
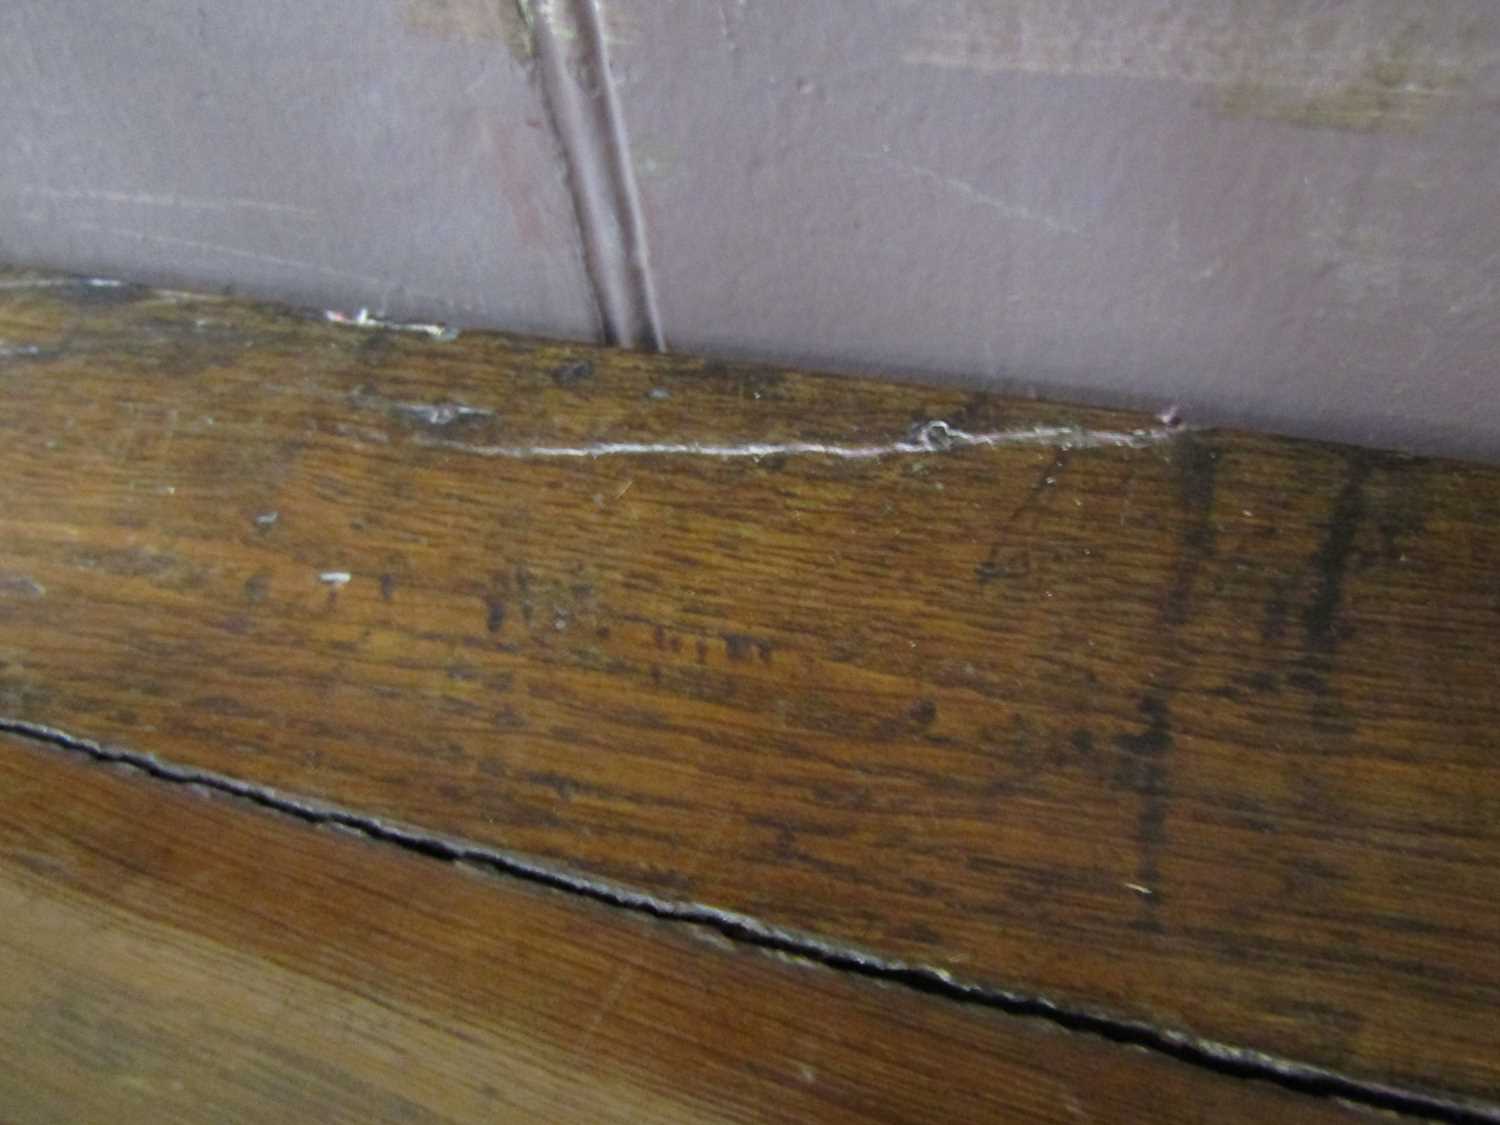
(60, 282)
(970, 192)
(335, 577)
(363, 319)
(934, 437)
(183, 202)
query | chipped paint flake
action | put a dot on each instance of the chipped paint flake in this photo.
(363, 319)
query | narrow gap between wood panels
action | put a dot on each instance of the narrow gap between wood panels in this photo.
(1218, 1058)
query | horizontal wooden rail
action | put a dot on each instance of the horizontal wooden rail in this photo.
(1189, 734)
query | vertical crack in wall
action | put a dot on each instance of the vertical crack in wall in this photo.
(573, 65)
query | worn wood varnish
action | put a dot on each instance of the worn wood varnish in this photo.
(175, 957)
(1197, 732)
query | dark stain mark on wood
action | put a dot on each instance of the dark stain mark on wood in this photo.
(1003, 564)
(1197, 468)
(924, 712)
(494, 613)
(573, 374)
(387, 587)
(1146, 764)
(1331, 563)
(1273, 620)
(257, 587)
(1307, 681)
(523, 585)
(739, 646)
(1144, 769)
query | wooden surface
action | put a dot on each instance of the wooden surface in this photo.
(176, 957)
(1196, 733)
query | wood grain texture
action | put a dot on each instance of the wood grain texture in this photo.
(1200, 734)
(171, 956)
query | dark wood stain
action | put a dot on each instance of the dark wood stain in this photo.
(1145, 771)
(1197, 464)
(1331, 563)
(574, 373)
(494, 613)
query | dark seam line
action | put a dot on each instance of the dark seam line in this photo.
(1217, 1058)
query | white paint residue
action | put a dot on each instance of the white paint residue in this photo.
(8, 350)
(267, 519)
(1139, 889)
(335, 577)
(363, 319)
(934, 437)
(60, 282)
